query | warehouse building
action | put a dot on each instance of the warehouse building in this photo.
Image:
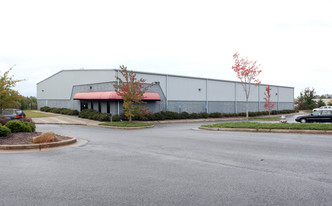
(93, 89)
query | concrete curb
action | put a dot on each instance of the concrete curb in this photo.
(296, 131)
(38, 146)
(126, 128)
(194, 120)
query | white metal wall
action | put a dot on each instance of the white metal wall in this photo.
(59, 86)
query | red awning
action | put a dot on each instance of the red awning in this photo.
(112, 95)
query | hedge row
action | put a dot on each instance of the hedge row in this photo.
(184, 115)
(59, 110)
(94, 115)
(13, 126)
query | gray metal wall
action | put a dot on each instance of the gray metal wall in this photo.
(179, 93)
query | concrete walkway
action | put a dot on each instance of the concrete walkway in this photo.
(74, 120)
(65, 120)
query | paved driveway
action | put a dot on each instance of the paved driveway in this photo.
(65, 120)
(171, 164)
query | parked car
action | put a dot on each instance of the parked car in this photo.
(321, 115)
(322, 107)
(13, 113)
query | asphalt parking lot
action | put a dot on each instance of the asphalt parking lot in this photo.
(171, 164)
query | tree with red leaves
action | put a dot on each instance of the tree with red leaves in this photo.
(268, 104)
(131, 90)
(247, 71)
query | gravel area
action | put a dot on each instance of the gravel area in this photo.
(24, 138)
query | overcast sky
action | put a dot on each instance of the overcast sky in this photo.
(292, 40)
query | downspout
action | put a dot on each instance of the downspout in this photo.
(166, 93)
(206, 97)
(117, 83)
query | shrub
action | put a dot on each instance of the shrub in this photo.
(92, 114)
(116, 118)
(158, 116)
(194, 116)
(203, 115)
(215, 115)
(184, 115)
(31, 127)
(45, 109)
(86, 113)
(68, 111)
(18, 126)
(60, 110)
(4, 131)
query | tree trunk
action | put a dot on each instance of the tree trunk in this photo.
(247, 109)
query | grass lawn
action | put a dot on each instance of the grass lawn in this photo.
(34, 114)
(256, 125)
(265, 118)
(126, 124)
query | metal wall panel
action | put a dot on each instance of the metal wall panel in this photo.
(274, 93)
(189, 89)
(241, 96)
(221, 91)
(222, 106)
(59, 86)
(151, 78)
(286, 94)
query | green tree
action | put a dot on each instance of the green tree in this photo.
(8, 96)
(28, 102)
(330, 103)
(131, 90)
(321, 103)
(306, 99)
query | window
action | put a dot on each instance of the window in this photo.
(316, 113)
(326, 112)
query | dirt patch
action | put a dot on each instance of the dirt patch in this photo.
(25, 138)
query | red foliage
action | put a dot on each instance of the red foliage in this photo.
(131, 90)
(268, 104)
(247, 71)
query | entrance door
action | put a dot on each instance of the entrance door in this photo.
(84, 105)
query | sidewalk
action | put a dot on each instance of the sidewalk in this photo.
(65, 120)
(74, 120)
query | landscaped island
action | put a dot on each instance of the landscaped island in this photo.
(256, 125)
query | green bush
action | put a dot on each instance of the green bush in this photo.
(158, 116)
(94, 115)
(4, 131)
(184, 115)
(60, 110)
(116, 118)
(215, 115)
(18, 126)
(31, 127)
(45, 109)
(194, 116)
(203, 115)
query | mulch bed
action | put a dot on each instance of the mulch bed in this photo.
(25, 138)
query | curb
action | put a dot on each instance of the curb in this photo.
(194, 120)
(126, 128)
(295, 131)
(38, 146)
